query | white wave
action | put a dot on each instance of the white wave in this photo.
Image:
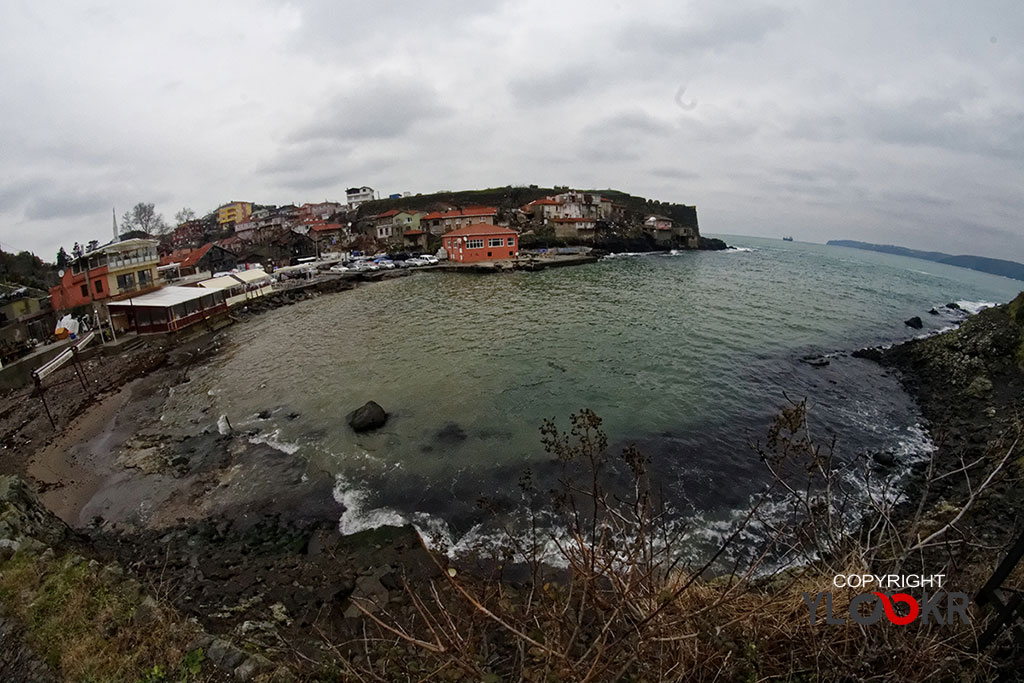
(356, 517)
(629, 254)
(273, 440)
(738, 249)
(973, 307)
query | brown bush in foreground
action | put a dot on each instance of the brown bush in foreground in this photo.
(626, 607)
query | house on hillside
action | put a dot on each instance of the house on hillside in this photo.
(358, 195)
(575, 228)
(655, 222)
(209, 258)
(25, 314)
(481, 242)
(546, 208)
(327, 235)
(233, 212)
(392, 224)
(415, 239)
(440, 222)
(319, 212)
(189, 234)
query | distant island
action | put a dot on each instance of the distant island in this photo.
(995, 266)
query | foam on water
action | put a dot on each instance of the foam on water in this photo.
(273, 439)
(974, 307)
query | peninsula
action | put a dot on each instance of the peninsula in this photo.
(983, 264)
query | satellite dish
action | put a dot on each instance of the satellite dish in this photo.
(60, 273)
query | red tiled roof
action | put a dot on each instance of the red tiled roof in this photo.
(481, 229)
(412, 233)
(469, 211)
(573, 220)
(193, 258)
(388, 214)
(541, 202)
(324, 227)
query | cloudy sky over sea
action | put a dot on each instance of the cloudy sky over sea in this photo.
(886, 122)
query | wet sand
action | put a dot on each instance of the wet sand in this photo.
(72, 468)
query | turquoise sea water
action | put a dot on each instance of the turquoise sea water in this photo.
(688, 356)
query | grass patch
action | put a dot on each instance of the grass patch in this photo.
(88, 630)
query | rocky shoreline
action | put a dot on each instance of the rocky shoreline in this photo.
(969, 385)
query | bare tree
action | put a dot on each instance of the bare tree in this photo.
(144, 217)
(184, 216)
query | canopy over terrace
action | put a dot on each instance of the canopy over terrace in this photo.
(169, 309)
(238, 287)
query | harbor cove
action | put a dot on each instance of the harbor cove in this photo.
(687, 355)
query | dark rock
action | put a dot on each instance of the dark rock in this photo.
(933, 312)
(884, 458)
(815, 361)
(914, 322)
(870, 354)
(338, 591)
(263, 415)
(369, 416)
(954, 306)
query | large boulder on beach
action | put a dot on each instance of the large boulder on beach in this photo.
(369, 416)
(914, 322)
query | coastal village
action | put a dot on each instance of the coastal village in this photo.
(139, 283)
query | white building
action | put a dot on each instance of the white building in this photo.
(358, 195)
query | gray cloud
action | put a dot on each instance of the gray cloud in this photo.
(63, 205)
(674, 173)
(552, 88)
(629, 123)
(872, 120)
(378, 108)
(715, 32)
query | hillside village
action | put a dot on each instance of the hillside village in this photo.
(160, 283)
(277, 235)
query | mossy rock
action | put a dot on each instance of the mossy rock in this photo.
(980, 387)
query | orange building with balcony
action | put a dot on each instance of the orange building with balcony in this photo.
(108, 272)
(481, 242)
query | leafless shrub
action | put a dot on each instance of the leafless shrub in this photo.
(626, 607)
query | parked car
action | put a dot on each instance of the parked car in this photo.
(416, 261)
(432, 260)
(339, 269)
(385, 263)
(364, 265)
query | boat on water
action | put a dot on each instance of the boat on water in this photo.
(787, 238)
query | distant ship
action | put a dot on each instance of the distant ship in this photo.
(787, 238)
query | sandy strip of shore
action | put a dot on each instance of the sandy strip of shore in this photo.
(73, 467)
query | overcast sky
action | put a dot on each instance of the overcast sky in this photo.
(896, 122)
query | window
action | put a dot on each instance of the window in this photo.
(145, 278)
(98, 286)
(511, 241)
(474, 244)
(495, 242)
(85, 290)
(126, 281)
(488, 254)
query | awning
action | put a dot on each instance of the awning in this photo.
(164, 298)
